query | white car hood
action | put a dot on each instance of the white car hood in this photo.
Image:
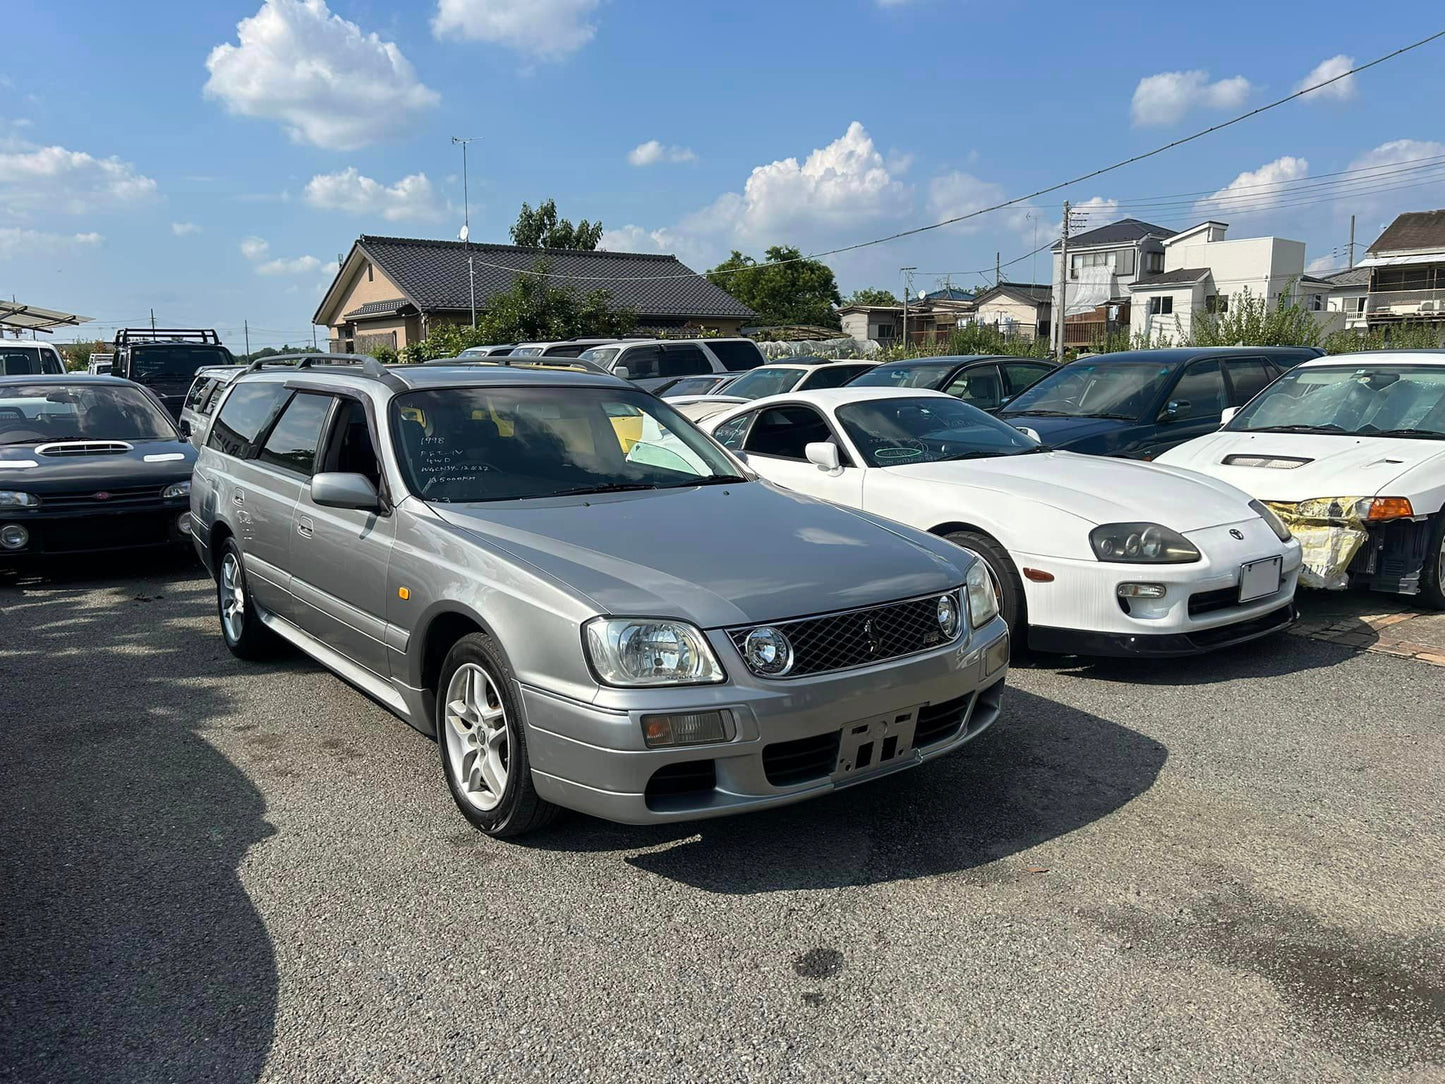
(1097, 489)
(1338, 466)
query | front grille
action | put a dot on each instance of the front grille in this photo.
(115, 498)
(687, 777)
(939, 721)
(788, 762)
(1205, 602)
(857, 637)
(1241, 630)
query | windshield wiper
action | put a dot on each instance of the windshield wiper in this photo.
(1105, 414)
(710, 480)
(1331, 428)
(1035, 450)
(609, 487)
(1043, 413)
(1423, 434)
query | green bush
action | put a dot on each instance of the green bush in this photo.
(1405, 336)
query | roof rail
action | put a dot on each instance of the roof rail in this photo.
(128, 336)
(533, 361)
(367, 365)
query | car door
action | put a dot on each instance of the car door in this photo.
(775, 445)
(339, 556)
(977, 385)
(1192, 408)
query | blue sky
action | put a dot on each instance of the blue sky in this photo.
(211, 160)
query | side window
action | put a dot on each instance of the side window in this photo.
(297, 433)
(211, 398)
(50, 362)
(977, 387)
(1200, 391)
(200, 392)
(683, 359)
(1247, 377)
(248, 410)
(730, 434)
(786, 431)
(350, 449)
(831, 376)
(641, 362)
(1019, 375)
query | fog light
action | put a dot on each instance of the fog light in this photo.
(768, 652)
(14, 537)
(693, 728)
(183, 523)
(1142, 590)
(996, 657)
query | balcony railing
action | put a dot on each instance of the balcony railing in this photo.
(1406, 304)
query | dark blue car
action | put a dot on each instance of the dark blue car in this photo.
(1141, 403)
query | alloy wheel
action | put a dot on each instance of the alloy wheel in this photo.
(233, 597)
(478, 738)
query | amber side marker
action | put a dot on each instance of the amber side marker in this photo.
(1038, 575)
(403, 593)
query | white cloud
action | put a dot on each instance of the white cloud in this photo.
(1342, 90)
(952, 195)
(1323, 264)
(32, 243)
(1386, 205)
(652, 152)
(255, 248)
(1257, 189)
(1089, 214)
(57, 179)
(182, 229)
(319, 75)
(1166, 97)
(411, 198)
(545, 29)
(301, 265)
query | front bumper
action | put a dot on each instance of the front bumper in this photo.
(95, 530)
(1160, 645)
(791, 740)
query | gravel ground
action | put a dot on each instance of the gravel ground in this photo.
(1219, 869)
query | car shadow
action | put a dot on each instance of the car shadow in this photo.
(131, 950)
(1042, 771)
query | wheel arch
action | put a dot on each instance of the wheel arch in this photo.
(436, 634)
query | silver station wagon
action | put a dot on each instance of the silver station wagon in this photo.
(589, 603)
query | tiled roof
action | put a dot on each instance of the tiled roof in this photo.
(433, 274)
(1354, 276)
(1031, 291)
(1414, 231)
(1116, 233)
(379, 308)
(1179, 277)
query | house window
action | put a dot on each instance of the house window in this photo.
(1359, 304)
(1153, 263)
(368, 272)
(1161, 306)
(886, 331)
(1315, 303)
(1081, 260)
(1217, 303)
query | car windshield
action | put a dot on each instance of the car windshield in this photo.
(922, 429)
(1096, 389)
(1353, 400)
(37, 413)
(494, 444)
(930, 377)
(152, 362)
(767, 380)
(601, 355)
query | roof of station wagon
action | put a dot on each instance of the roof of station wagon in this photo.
(422, 377)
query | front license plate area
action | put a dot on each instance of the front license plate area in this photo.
(1260, 579)
(872, 745)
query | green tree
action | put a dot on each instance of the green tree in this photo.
(871, 296)
(541, 228)
(784, 289)
(1251, 322)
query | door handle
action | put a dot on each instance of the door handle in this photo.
(304, 527)
(238, 497)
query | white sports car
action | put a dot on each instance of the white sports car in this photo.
(1090, 555)
(1349, 450)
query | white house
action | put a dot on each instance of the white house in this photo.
(1347, 293)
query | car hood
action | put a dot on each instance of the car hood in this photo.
(158, 461)
(1338, 466)
(715, 555)
(1061, 432)
(1097, 489)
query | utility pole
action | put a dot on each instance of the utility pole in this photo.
(1063, 285)
(907, 273)
(467, 225)
(313, 337)
(153, 319)
(246, 327)
(997, 269)
(1352, 240)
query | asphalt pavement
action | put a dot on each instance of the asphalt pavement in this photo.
(1219, 869)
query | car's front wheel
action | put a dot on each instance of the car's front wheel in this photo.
(1008, 588)
(241, 626)
(1432, 576)
(482, 741)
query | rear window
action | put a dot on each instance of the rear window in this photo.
(737, 355)
(247, 410)
(27, 361)
(171, 362)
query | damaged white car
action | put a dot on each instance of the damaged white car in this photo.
(1349, 451)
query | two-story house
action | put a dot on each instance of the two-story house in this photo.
(1093, 299)
(1407, 271)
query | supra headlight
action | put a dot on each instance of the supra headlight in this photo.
(947, 616)
(649, 651)
(14, 498)
(1266, 513)
(982, 601)
(1141, 543)
(768, 651)
(176, 489)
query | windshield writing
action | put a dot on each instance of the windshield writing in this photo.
(917, 429)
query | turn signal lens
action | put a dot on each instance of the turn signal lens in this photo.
(1390, 508)
(1142, 590)
(694, 728)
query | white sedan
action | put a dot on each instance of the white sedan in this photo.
(1090, 555)
(1350, 451)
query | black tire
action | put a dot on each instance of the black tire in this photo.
(246, 638)
(519, 810)
(1010, 587)
(1432, 576)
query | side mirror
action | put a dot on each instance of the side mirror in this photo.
(338, 490)
(1228, 415)
(1176, 408)
(620, 371)
(824, 455)
(1032, 434)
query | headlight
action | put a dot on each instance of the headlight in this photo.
(644, 651)
(947, 616)
(176, 489)
(1370, 508)
(14, 498)
(1142, 544)
(982, 602)
(1276, 524)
